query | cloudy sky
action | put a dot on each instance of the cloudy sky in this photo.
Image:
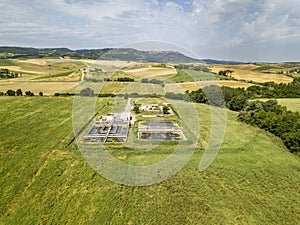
(246, 30)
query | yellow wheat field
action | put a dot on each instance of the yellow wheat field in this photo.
(151, 72)
(244, 72)
(192, 86)
(19, 69)
(48, 88)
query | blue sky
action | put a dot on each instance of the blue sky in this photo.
(247, 30)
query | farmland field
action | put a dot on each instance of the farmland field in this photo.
(191, 75)
(130, 87)
(48, 88)
(192, 86)
(242, 72)
(112, 87)
(44, 66)
(44, 180)
(45, 69)
(151, 72)
(143, 88)
(292, 104)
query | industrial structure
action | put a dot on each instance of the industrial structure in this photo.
(111, 128)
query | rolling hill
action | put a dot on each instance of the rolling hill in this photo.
(126, 54)
(254, 179)
(46, 180)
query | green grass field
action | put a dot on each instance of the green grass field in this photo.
(191, 75)
(42, 67)
(254, 179)
(292, 104)
(6, 62)
(181, 76)
(64, 74)
(143, 88)
(265, 67)
(119, 74)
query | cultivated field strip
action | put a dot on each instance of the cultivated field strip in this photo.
(248, 73)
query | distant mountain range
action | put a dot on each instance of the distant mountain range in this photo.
(126, 54)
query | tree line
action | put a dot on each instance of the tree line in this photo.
(202, 68)
(276, 119)
(6, 74)
(18, 92)
(267, 115)
(236, 98)
(151, 81)
(106, 79)
(225, 73)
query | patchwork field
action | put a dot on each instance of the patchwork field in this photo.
(44, 180)
(48, 88)
(45, 69)
(130, 87)
(247, 72)
(190, 76)
(89, 62)
(20, 69)
(193, 86)
(143, 88)
(43, 66)
(108, 63)
(151, 72)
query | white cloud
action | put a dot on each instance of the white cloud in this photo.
(278, 20)
(229, 29)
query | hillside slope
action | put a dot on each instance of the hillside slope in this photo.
(254, 179)
(126, 54)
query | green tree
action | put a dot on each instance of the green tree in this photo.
(19, 92)
(271, 105)
(276, 119)
(292, 141)
(41, 93)
(225, 73)
(87, 92)
(214, 95)
(165, 109)
(237, 103)
(29, 93)
(198, 96)
(136, 108)
(10, 92)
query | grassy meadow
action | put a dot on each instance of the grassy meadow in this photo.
(45, 180)
(190, 76)
(292, 104)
